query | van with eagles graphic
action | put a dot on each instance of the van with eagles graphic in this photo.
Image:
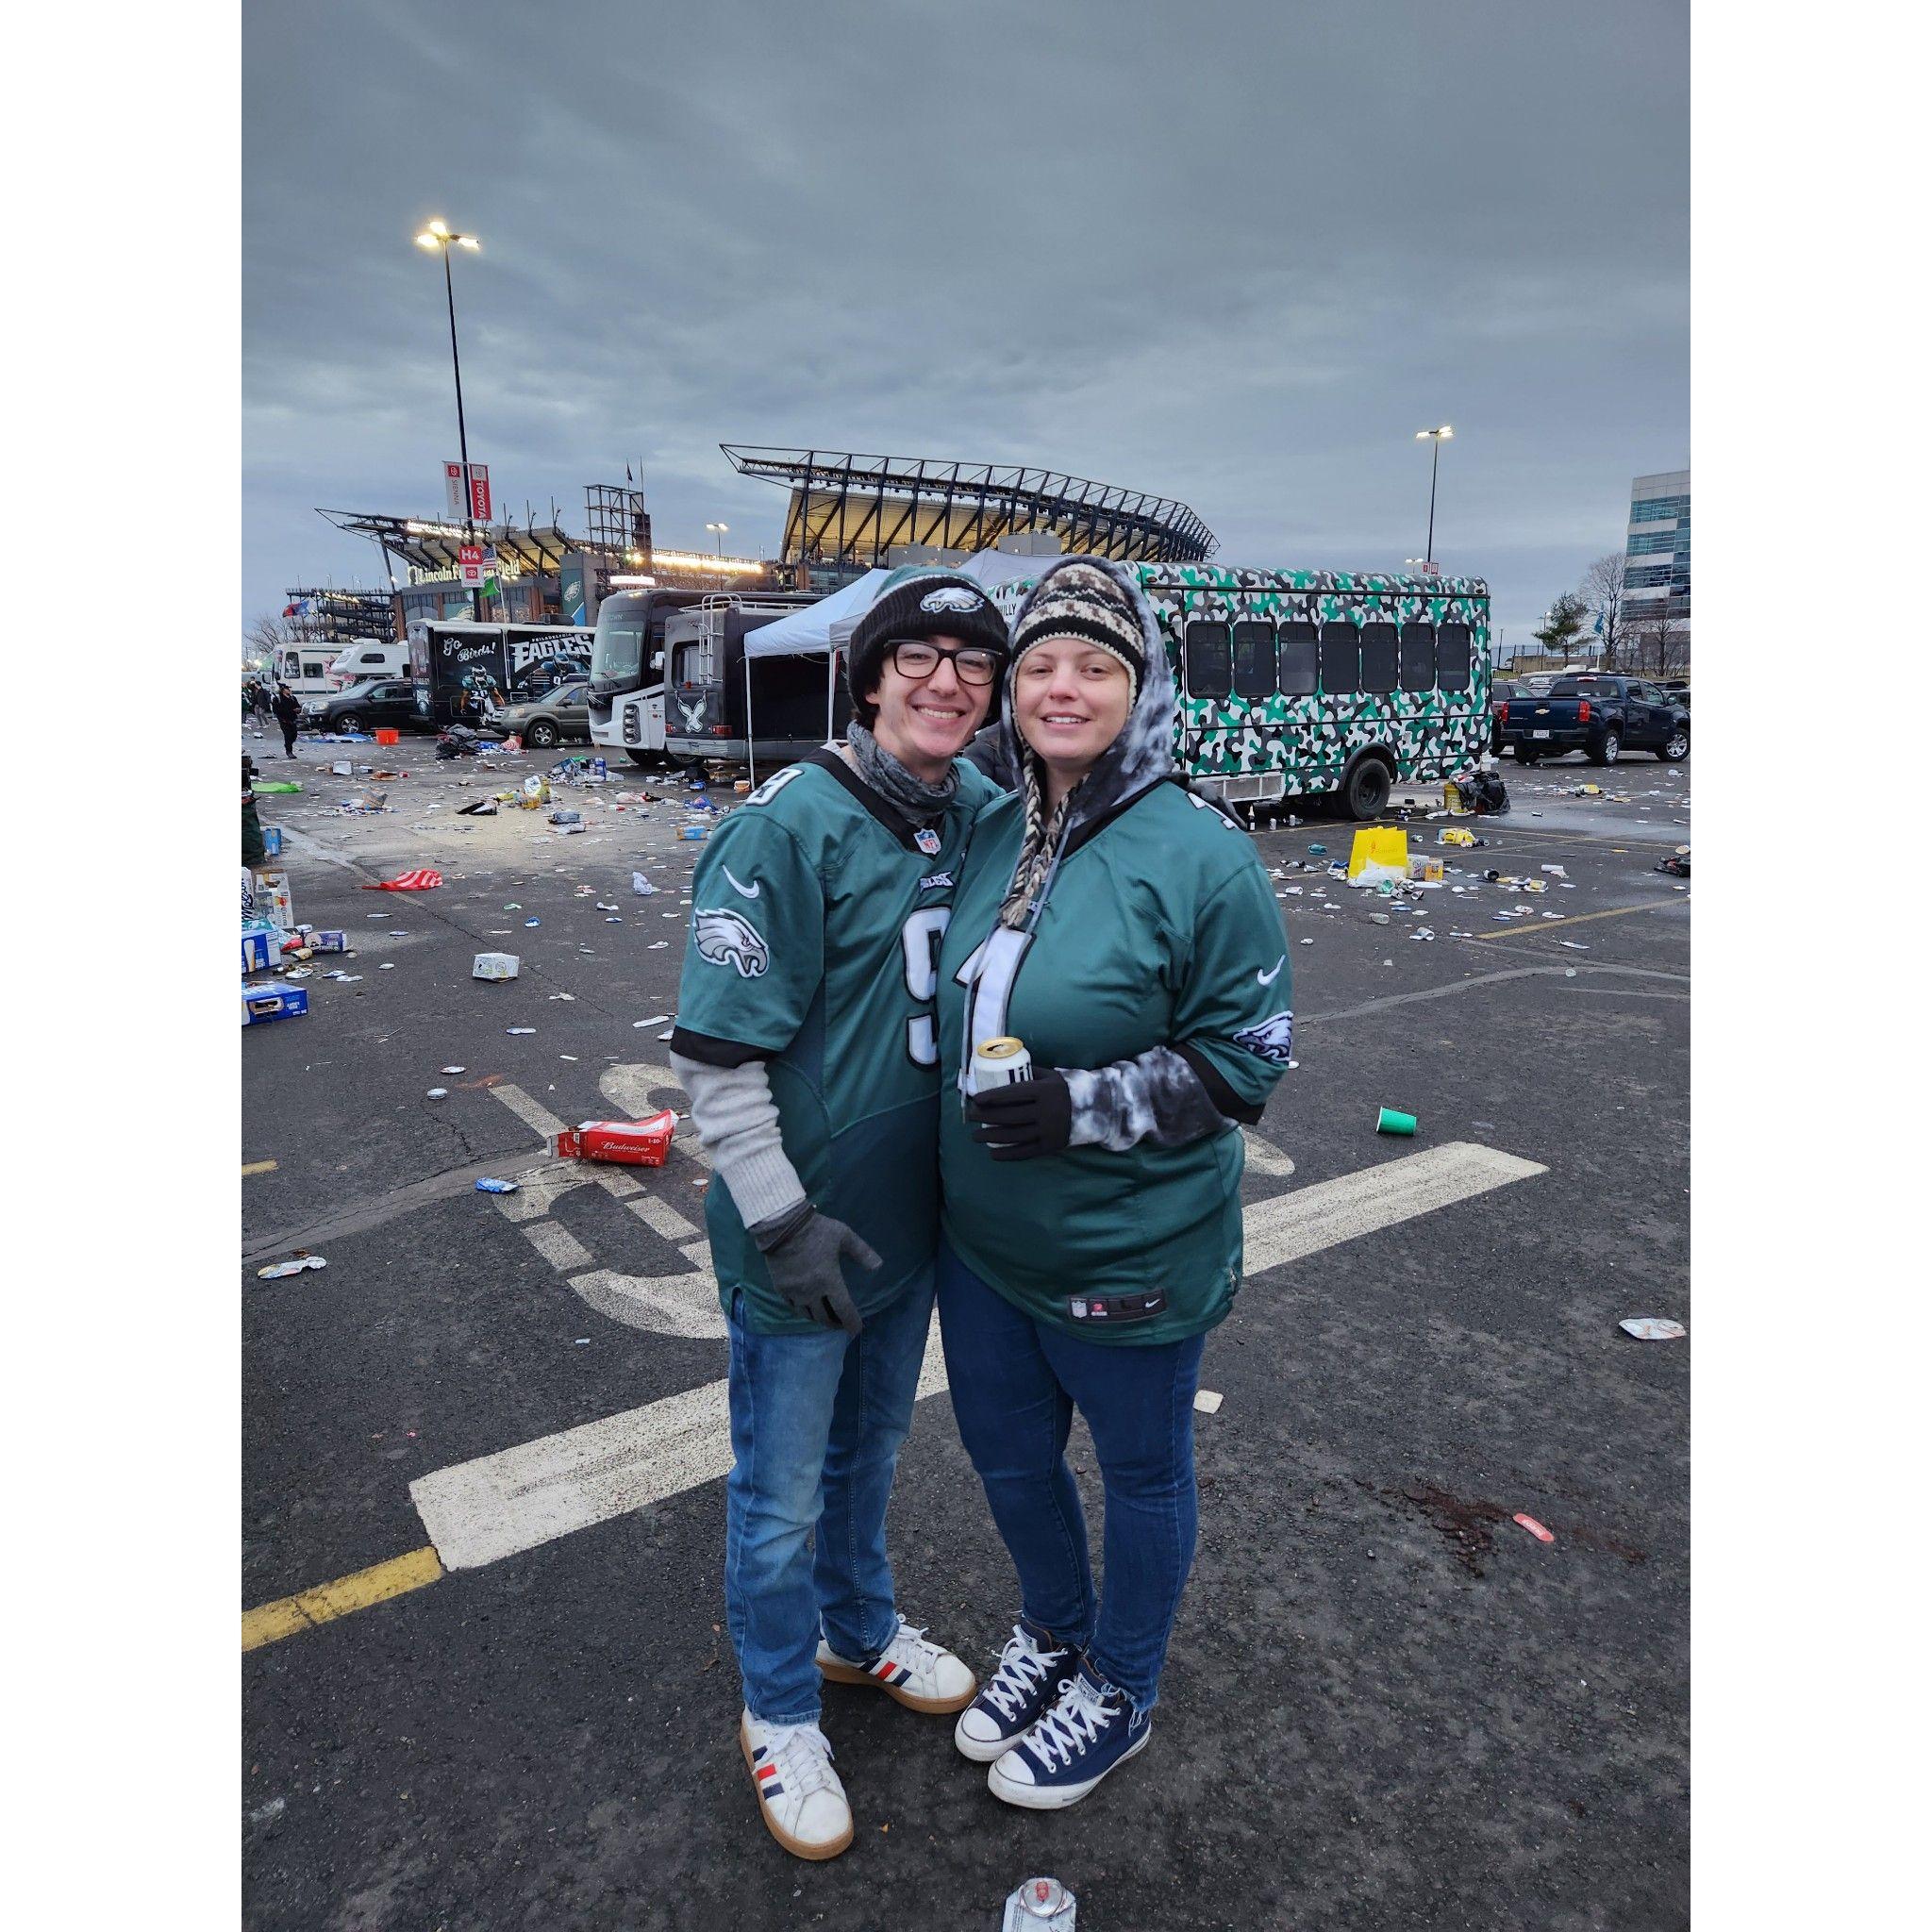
(1318, 684)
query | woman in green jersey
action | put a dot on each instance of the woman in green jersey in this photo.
(1122, 928)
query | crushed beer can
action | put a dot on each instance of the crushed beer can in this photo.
(1040, 1905)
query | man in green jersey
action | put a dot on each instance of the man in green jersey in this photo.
(807, 1041)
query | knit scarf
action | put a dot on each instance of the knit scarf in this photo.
(893, 782)
(1038, 842)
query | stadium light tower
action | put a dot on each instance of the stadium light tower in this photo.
(1434, 438)
(438, 238)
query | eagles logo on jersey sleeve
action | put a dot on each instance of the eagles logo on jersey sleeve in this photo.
(728, 939)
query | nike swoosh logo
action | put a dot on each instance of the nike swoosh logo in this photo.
(1266, 979)
(752, 892)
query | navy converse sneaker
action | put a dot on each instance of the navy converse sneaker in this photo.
(1016, 1696)
(1090, 1729)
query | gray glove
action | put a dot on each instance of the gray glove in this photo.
(802, 1248)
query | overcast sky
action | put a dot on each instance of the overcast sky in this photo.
(1232, 253)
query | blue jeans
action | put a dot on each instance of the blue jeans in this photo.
(1015, 1385)
(816, 1425)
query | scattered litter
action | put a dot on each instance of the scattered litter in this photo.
(1393, 1121)
(1652, 1328)
(656, 1020)
(276, 1806)
(520, 1029)
(1207, 1400)
(666, 1034)
(563, 996)
(451, 1070)
(630, 1144)
(1556, 872)
(641, 886)
(387, 966)
(1529, 1523)
(439, 1093)
(279, 1270)
(1318, 851)
(422, 880)
(496, 966)
(533, 921)
(1677, 864)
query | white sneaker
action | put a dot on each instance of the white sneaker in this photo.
(918, 1675)
(802, 1802)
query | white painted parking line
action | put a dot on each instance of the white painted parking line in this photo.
(1291, 1226)
(477, 1513)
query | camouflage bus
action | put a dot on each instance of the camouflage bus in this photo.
(1302, 683)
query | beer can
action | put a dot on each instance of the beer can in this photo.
(999, 1063)
(1040, 1905)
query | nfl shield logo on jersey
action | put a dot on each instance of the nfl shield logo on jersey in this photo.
(927, 841)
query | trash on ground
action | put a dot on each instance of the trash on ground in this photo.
(496, 1186)
(641, 886)
(630, 1144)
(1677, 864)
(1207, 1400)
(520, 1029)
(1652, 1328)
(1379, 852)
(261, 1005)
(439, 1093)
(451, 1070)
(1534, 1528)
(279, 1270)
(1393, 1121)
(420, 880)
(656, 1020)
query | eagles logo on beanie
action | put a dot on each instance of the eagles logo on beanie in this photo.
(940, 604)
(1084, 603)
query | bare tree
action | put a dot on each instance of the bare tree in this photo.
(267, 635)
(1603, 595)
(1662, 640)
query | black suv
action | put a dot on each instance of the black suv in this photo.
(376, 701)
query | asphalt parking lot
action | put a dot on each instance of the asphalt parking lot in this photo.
(485, 1682)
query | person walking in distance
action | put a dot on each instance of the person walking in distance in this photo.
(805, 1040)
(288, 709)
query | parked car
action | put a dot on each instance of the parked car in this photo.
(564, 713)
(1679, 690)
(1601, 716)
(374, 703)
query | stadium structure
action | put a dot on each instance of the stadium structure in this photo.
(847, 513)
(858, 511)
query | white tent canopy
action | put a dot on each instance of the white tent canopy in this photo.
(814, 628)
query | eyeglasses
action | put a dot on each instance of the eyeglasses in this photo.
(915, 658)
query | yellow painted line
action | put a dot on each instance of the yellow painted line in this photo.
(270, 1622)
(249, 1167)
(1545, 928)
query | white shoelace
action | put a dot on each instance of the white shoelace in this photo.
(1023, 1669)
(803, 1757)
(1071, 1724)
(911, 1647)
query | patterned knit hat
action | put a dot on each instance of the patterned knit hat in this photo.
(1086, 604)
(937, 603)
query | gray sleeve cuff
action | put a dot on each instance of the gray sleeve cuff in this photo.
(737, 1124)
(1155, 1096)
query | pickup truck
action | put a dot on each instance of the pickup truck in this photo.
(1598, 714)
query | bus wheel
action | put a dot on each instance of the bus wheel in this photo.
(1367, 789)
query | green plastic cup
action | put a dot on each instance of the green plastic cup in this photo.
(1390, 1122)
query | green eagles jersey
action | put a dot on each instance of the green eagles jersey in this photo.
(1159, 928)
(817, 911)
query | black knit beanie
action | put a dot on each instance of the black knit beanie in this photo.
(940, 604)
(1084, 603)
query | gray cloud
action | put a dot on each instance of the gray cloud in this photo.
(1232, 253)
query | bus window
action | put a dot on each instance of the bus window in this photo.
(1254, 658)
(315, 668)
(1206, 660)
(1297, 659)
(1452, 657)
(1379, 657)
(1418, 656)
(1340, 658)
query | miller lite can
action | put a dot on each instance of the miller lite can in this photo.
(1000, 1063)
(1040, 1905)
